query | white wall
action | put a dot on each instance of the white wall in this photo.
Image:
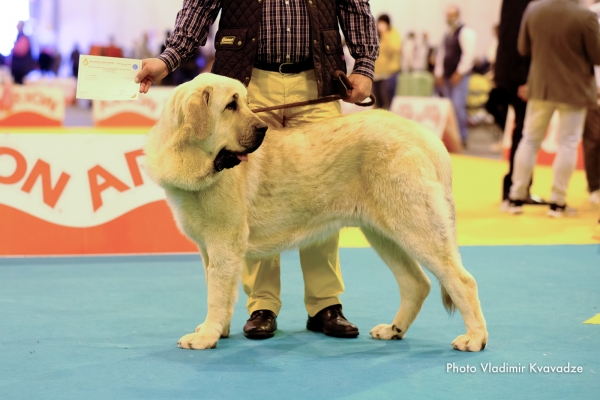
(93, 21)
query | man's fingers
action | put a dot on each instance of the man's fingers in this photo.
(145, 84)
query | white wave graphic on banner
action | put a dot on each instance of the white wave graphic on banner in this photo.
(74, 180)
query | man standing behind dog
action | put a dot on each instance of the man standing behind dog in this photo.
(284, 51)
(563, 40)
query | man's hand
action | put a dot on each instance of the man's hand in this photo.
(523, 92)
(152, 69)
(455, 79)
(361, 88)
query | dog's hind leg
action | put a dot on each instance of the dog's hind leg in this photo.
(429, 237)
(413, 283)
(461, 289)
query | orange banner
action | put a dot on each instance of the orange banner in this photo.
(31, 106)
(81, 194)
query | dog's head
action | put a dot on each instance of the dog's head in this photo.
(206, 127)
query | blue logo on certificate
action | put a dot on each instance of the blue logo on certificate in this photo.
(135, 66)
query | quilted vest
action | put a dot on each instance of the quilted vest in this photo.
(236, 41)
(453, 53)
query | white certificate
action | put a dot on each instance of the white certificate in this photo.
(108, 78)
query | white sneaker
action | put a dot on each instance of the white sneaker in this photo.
(557, 211)
(515, 207)
(595, 197)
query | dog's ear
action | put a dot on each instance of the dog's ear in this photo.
(207, 94)
(196, 110)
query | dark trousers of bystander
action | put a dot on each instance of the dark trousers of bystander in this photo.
(384, 91)
(520, 108)
(591, 148)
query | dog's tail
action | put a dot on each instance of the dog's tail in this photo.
(447, 301)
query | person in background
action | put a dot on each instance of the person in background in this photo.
(510, 77)
(410, 53)
(591, 139)
(280, 69)
(22, 60)
(46, 61)
(75, 60)
(455, 59)
(387, 65)
(431, 53)
(142, 51)
(563, 40)
(113, 50)
(493, 48)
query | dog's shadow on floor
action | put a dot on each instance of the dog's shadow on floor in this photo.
(237, 353)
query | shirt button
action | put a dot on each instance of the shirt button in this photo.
(240, 43)
(253, 39)
(315, 42)
(287, 3)
(327, 47)
(309, 1)
(288, 29)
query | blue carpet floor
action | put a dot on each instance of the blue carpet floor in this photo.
(106, 328)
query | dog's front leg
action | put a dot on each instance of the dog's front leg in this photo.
(222, 277)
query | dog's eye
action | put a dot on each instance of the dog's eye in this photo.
(231, 106)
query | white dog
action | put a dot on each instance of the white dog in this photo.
(387, 175)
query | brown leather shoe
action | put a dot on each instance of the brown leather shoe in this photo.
(332, 322)
(261, 325)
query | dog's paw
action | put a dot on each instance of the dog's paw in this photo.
(387, 332)
(201, 339)
(224, 332)
(470, 342)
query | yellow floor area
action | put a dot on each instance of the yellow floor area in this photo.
(477, 193)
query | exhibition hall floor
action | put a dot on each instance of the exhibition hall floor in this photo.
(107, 327)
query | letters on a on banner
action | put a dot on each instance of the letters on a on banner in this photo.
(31, 106)
(81, 194)
(144, 112)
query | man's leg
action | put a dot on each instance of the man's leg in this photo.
(322, 275)
(520, 108)
(537, 119)
(377, 89)
(388, 89)
(570, 130)
(261, 277)
(591, 148)
(260, 280)
(320, 263)
(458, 97)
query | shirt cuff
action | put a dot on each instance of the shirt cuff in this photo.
(364, 66)
(171, 58)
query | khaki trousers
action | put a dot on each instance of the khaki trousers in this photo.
(320, 263)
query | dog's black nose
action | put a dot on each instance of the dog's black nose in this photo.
(261, 130)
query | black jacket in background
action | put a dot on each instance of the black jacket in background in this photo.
(511, 69)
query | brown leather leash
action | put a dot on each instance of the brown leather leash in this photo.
(344, 89)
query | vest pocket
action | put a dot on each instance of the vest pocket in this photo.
(332, 41)
(231, 39)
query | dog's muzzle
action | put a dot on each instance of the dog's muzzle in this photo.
(228, 159)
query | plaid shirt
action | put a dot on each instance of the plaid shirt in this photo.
(284, 38)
